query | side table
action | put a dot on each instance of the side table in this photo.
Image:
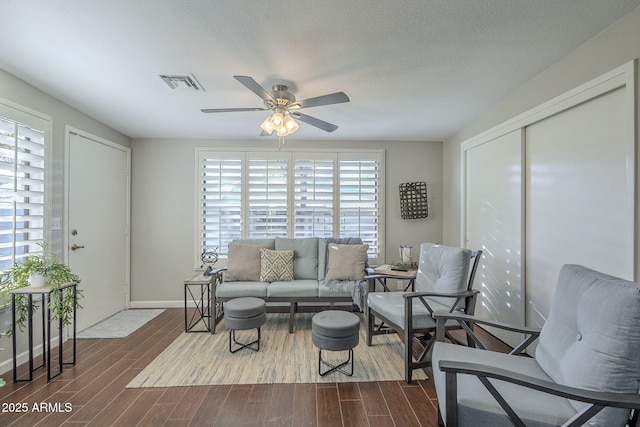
(45, 296)
(198, 288)
(380, 275)
(384, 272)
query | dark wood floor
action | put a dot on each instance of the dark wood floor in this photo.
(93, 393)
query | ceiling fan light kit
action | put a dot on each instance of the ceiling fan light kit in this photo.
(283, 104)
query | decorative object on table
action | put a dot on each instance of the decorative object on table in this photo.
(406, 254)
(41, 270)
(209, 257)
(398, 266)
(413, 200)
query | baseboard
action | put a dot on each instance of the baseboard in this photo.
(160, 304)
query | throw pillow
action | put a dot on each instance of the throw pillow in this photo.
(276, 266)
(346, 262)
(243, 263)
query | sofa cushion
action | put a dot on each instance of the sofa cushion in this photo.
(323, 251)
(243, 263)
(295, 288)
(346, 262)
(276, 265)
(265, 243)
(241, 289)
(305, 255)
(591, 339)
(325, 291)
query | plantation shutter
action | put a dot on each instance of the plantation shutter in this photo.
(221, 201)
(267, 189)
(359, 185)
(313, 195)
(258, 194)
(22, 184)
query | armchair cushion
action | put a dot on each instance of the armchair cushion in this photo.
(594, 342)
(476, 406)
(391, 306)
(589, 343)
(443, 269)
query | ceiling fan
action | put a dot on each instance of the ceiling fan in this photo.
(284, 106)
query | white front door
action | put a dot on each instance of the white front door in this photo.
(97, 230)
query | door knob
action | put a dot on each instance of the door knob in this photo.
(74, 247)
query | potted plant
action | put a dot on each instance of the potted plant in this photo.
(41, 269)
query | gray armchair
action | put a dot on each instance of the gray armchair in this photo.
(586, 369)
(443, 284)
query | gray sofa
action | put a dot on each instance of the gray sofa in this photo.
(314, 280)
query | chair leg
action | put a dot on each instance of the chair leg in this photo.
(370, 325)
(440, 420)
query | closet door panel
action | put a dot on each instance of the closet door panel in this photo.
(494, 224)
(578, 196)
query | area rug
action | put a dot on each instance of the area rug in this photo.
(204, 359)
(121, 324)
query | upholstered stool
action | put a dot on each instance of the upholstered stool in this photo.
(244, 313)
(335, 330)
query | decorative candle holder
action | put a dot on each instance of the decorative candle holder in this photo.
(406, 254)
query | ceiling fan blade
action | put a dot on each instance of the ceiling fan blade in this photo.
(230, 110)
(254, 87)
(321, 124)
(333, 98)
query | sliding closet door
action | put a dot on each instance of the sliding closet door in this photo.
(494, 224)
(579, 196)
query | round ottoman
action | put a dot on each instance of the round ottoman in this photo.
(335, 330)
(244, 313)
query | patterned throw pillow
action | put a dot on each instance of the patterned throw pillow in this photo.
(276, 266)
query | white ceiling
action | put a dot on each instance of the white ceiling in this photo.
(414, 69)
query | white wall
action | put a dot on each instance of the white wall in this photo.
(19, 92)
(163, 200)
(613, 47)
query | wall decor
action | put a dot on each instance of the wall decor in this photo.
(413, 200)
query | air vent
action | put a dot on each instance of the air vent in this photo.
(176, 81)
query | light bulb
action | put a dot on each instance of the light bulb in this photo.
(282, 131)
(276, 120)
(266, 126)
(290, 124)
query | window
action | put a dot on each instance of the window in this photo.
(22, 184)
(255, 194)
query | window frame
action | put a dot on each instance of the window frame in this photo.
(293, 155)
(28, 118)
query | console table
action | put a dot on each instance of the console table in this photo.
(45, 296)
